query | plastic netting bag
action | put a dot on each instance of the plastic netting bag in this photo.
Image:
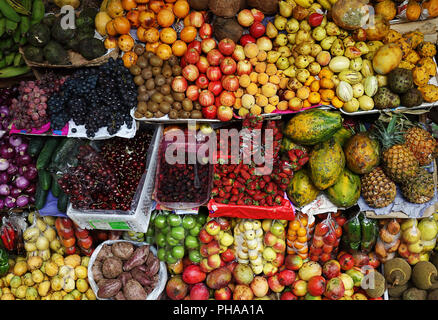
(40, 238)
(11, 232)
(299, 235)
(326, 239)
(388, 240)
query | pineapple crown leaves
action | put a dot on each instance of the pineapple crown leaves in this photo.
(392, 134)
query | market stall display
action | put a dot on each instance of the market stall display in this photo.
(226, 150)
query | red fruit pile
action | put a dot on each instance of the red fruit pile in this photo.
(325, 241)
(71, 235)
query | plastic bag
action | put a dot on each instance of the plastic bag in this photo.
(40, 238)
(11, 232)
(249, 244)
(299, 234)
(326, 239)
(388, 240)
(162, 273)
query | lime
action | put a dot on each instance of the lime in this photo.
(177, 233)
(166, 229)
(191, 242)
(178, 252)
(160, 239)
(188, 222)
(160, 222)
(195, 230)
(174, 220)
(195, 256)
(171, 241)
(170, 259)
(201, 218)
(161, 254)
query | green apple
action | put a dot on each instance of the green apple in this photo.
(269, 254)
(428, 229)
(416, 247)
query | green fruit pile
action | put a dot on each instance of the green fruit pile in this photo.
(176, 235)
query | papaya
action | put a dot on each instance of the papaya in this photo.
(342, 135)
(362, 153)
(346, 190)
(313, 126)
(301, 190)
(326, 162)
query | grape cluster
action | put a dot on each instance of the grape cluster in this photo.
(29, 109)
(96, 98)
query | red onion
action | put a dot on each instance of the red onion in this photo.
(24, 160)
(22, 200)
(7, 152)
(4, 164)
(31, 199)
(12, 169)
(15, 140)
(22, 149)
(30, 189)
(4, 189)
(10, 202)
(4, 177)
(4, 111)
(21, 182)
(15, 192)
(31, 173)
(2, 203)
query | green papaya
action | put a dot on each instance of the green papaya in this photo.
(346, 190)
(326, 163)
(362, 153)
(301, 190)
(342, 135)
(313, 126)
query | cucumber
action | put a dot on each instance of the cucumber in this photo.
(58, 148)
(40, 197)
(36, 144)
(56, 189)
(44, 179)
(43, 160)
(63, 202)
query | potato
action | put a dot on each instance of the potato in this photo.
(138, 258)
(110, 288)
(122, 250)
(227, 28)
(96, 269)
(124, 277)
(134, 291)
(105, 252)
(112, 267)
(120, 296)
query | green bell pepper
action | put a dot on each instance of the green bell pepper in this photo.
(4, 262)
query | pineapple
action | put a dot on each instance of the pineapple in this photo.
(422, 144)
(399, 163)
(377, 190)
(420, 188)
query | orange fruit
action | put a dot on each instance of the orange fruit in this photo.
(133, 17)
(147, 19)
(122, 25)
(156, 5)
(129, 59)
(125, 42)
(188, 34)
(168, 35)
(303, 250)
(151, 35)
(181, 8)
(298, 245)
(165, 18)
(70, 242)
(179, 48)
(164, 51)
(152, 47)
(302, 232)
(186, 21)
(129, 4)
(110, 29)
(110, 42)
(302, 239)
(294, 225)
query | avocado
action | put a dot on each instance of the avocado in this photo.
(84, 21)
(49, 20)
(73, 44)
(55, 53)
(91, 48)
(38, 35)
(89, 12)
(60, 34)
(33, 53)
